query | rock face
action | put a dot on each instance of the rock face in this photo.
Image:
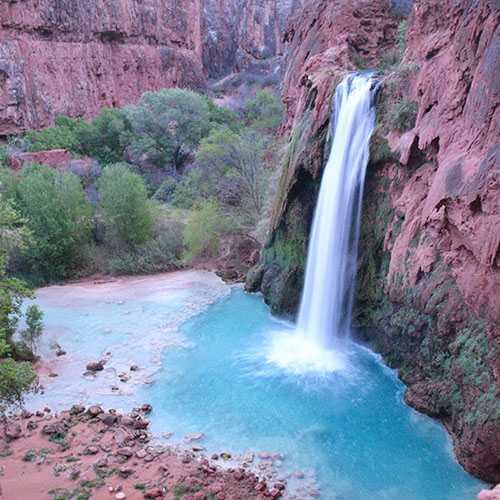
(428, 293)
(325, 41)
(246, 34)
(72, 58)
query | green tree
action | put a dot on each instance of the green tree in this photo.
(235, 162)
(107, 136)
(265, 112)
(59, 217)
(168, 124)
(16, 379)
(34, 327)
(124, 206)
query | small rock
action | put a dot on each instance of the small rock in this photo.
(126, 470)
(126, 451)
(92, 450)
(39, 414)
(26, 414)
(153, 492)
(102, 462)
(134, 368)
(215, 457)
(120, 496)
(299, 475)
(166, 434)
(95, 367)
(12, 431)
(147, 408)
(263, 454)
(89, 375)
(127, 422)
(314, 493)
(56, 428)
(93, 411)
(77, 409)
(141, 424)
(31, 425)
(149, 458)
(198, 448)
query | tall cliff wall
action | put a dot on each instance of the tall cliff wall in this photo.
(68, 57)
(74, 57)
(244, 34)
(428, 291)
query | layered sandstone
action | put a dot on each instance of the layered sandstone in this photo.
(428, 290)
(72, 58)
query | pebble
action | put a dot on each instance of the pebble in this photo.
(120, 496)
(166, 434)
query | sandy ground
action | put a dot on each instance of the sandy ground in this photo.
(107, 456)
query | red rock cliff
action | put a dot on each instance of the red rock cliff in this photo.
(428, 294)
(74, 57)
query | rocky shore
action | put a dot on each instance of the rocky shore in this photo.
(91, 453)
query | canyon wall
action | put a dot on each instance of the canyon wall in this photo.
(72, 58)
(244, 35)
(64, 57)
(428, 291)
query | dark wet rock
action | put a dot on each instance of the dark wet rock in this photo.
(141, 424)
(109, 420)
(26, 414)
(134, 368)
(147, 408)
(95, 367)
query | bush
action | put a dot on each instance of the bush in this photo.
(161, 253)
(16, 380)
(203, 232)
(124, 206)
(58, 215)
(166, 190)
(265, 112)
(402, 115)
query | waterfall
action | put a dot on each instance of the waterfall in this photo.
(327, 297)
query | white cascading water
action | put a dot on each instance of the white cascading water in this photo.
(327, 297)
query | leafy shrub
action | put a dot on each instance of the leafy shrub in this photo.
(402, 115)
(124, 206)
(16, 380)
(265, 112)
(203, 232)
(166, 190)
(58, 215)
(161, 253)
(402, 35)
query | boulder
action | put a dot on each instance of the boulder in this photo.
(93, 411)
(12, 431)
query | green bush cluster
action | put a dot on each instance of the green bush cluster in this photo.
(402, 115)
